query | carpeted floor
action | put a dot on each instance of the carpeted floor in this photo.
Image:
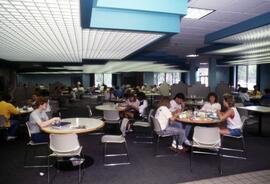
(144, 168)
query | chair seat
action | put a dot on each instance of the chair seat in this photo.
(67, 154)
(206, 146)
(113, 139)
(32, 143)
(113, 121)
(142, 124)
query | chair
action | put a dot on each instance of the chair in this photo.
(145, 124)
(65, 145)
(116, 139)
(33, 145)
(206, 138)
(96, 117)
(241, 138)
(160, 134)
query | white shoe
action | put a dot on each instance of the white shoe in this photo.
(187, 142)
(174, 145)
(9, 138)
(180, 147)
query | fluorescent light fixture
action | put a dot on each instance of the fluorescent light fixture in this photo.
(203, 63)
(114, 44)
(192, 55)
(197, 13)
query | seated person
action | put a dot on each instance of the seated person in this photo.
(232, 117)
(7, 110)
(265, 99)
(32, 102)
(177, 105)
(256, 91)
(243, 95)
(132, 107)
(38, 118)
(211, 105)
(143, 103)
(166, 120)
(108, 95)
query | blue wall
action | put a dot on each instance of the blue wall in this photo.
(222, 74)
(265, 77)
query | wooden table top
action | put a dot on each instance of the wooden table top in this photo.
(77, 125)
(110, 107)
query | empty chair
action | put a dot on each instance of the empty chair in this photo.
(237, 138)
(98, 132)
(145, 124)
(32, 145)
(206, 138)
(65, 145)
(116, 139)
(111, 117)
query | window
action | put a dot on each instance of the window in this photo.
(103, 79)
(170, 78)
(202, 76)
(247, 76)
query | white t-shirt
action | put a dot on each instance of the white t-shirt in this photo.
(208, 107)
(142, 107)
(235, 122)
(163, 116)
(174, 106)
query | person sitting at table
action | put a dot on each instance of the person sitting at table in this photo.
(132, 107)
(143, 103)
(177, 105)
(244, 97)
(211, 105)
(38, 119)
(7, 110)
(166, 119)
(256, 91)
(265, 99)
(108, 95)
(231, 116)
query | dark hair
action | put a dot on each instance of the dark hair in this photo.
(40, 101)
(165, 101)
(214, 95)
(6, 97)
(243, 90)
(179, 95)
(141, 96)
(229, 99)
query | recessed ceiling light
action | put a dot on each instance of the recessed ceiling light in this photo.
(197, 13)
(192, 55)
(203, 63)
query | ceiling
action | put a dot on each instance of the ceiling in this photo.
(26, 37)
(193, 32)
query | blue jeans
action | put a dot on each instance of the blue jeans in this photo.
(40, 137)
(177, 132)
(12, 130)
(187, 129)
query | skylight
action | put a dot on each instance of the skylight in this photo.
(197, 13)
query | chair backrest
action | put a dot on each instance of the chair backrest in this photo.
(124, 126)
(111, 115)
(28, 128)
(151, 112)
(89, 110)
(3, 120)
(207, 135)
(157, 127)
(64, 142)
(243, 119)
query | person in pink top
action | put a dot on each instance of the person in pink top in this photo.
(132, 107)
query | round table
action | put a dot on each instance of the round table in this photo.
(110, 107)
(25, 110)
(90, 125)
(198, 122)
